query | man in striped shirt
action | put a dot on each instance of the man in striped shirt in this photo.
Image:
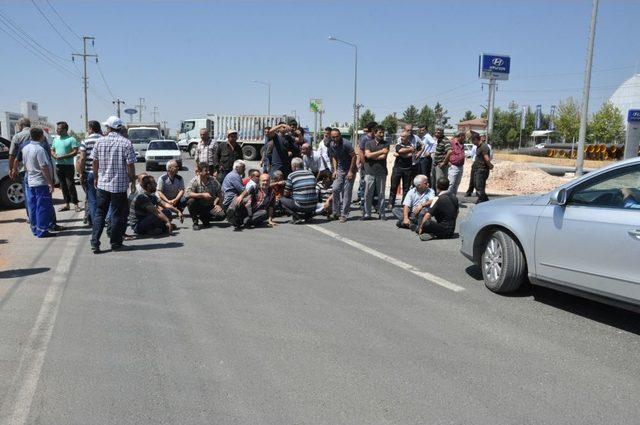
(300, 196)
(86, 171)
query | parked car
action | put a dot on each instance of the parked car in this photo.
(582, 238)
(11, 191)
(159, 152)
(468, 150)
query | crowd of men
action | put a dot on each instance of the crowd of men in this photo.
(293, 179)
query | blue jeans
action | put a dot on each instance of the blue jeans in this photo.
(150, 223)
(342, 192)
(117, 203)
(91, 197)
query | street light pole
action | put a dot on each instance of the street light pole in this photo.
(585, 91)
(355, 88)
(268, 94)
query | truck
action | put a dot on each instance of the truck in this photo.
(250, 131)
(141, 134)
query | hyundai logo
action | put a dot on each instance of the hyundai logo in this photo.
(497, 62)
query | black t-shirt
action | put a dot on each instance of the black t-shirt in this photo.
(481, 151)
(375, 167)
(445, 210)
(142, 205)
(404, 161)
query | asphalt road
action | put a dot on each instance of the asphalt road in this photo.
(356, 323)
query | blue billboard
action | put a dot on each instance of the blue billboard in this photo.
(633, 115)
(495, 67)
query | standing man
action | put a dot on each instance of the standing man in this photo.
(343, 160)
(265, 161)
(375, 168)
(404, 152)
(205, 151)
(323, 151)
(40, 179)
(85, 167)
(441, 156)
(282, 149)
(113, 170)
(456, 161)
(226, 154)
(64, 149)
(366, 137)
(311, 160)
(483, 166)
(18, 141)
(425, 159)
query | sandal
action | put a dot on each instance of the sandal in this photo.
(64, 209)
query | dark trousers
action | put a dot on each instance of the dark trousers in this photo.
(437, 230)
(472, 177)
(201, 210)
(151, 224)
(296, 210)
(480, 181)
(118, 204)
(398, 175)
(425, 168)
(66, 176)
(90, 204)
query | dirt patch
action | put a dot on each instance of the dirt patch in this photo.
(564, 162)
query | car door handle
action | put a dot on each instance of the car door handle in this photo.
(635, 234)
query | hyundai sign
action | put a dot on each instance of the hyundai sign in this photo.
(494, 67)
(633, 115)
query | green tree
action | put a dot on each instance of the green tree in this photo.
(607, 125)
(441, 116)
(568, 120)
(427, 117)
(390, 124)
(366, 117)
(512, 136)
(410, 115)
(468, 115)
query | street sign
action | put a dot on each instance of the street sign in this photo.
(315, 105)
(494, 67)
(130, 111)
(632, 141)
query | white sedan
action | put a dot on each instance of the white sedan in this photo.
(159, 152)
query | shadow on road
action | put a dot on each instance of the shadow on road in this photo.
(15, 273)
(15, 220)
(593, 310)
(150, 246)
(69, 220)
(3, 241)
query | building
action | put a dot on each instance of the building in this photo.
(8, 120)
(627, 96)
(479, 125)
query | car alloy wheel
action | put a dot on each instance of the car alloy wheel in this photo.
(15, 193)
(492, 260)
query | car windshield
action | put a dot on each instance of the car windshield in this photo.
(142, 134)
(163, 146)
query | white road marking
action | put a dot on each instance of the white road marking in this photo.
(15, 410)
(391, 260)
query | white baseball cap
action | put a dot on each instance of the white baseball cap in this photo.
(114, 122)
(231, 131)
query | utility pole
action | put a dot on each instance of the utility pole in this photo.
(584, 116)
(117, 102)
(492, 96)
(140, 107)
(84, 57)
(155, 113)
(320, 112)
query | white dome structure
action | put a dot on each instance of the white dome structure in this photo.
(627, 96)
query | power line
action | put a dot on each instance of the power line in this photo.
(25, 36)
(40, 55)
(51, 25)
(63, 21)
(104, 80)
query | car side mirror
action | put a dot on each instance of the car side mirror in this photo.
(558, 197)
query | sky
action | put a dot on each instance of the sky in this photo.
(193, 58)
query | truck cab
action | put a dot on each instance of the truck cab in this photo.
(189, 133)
(140, 138)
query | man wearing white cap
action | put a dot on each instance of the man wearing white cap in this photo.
(114, 170)
(227, 153)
